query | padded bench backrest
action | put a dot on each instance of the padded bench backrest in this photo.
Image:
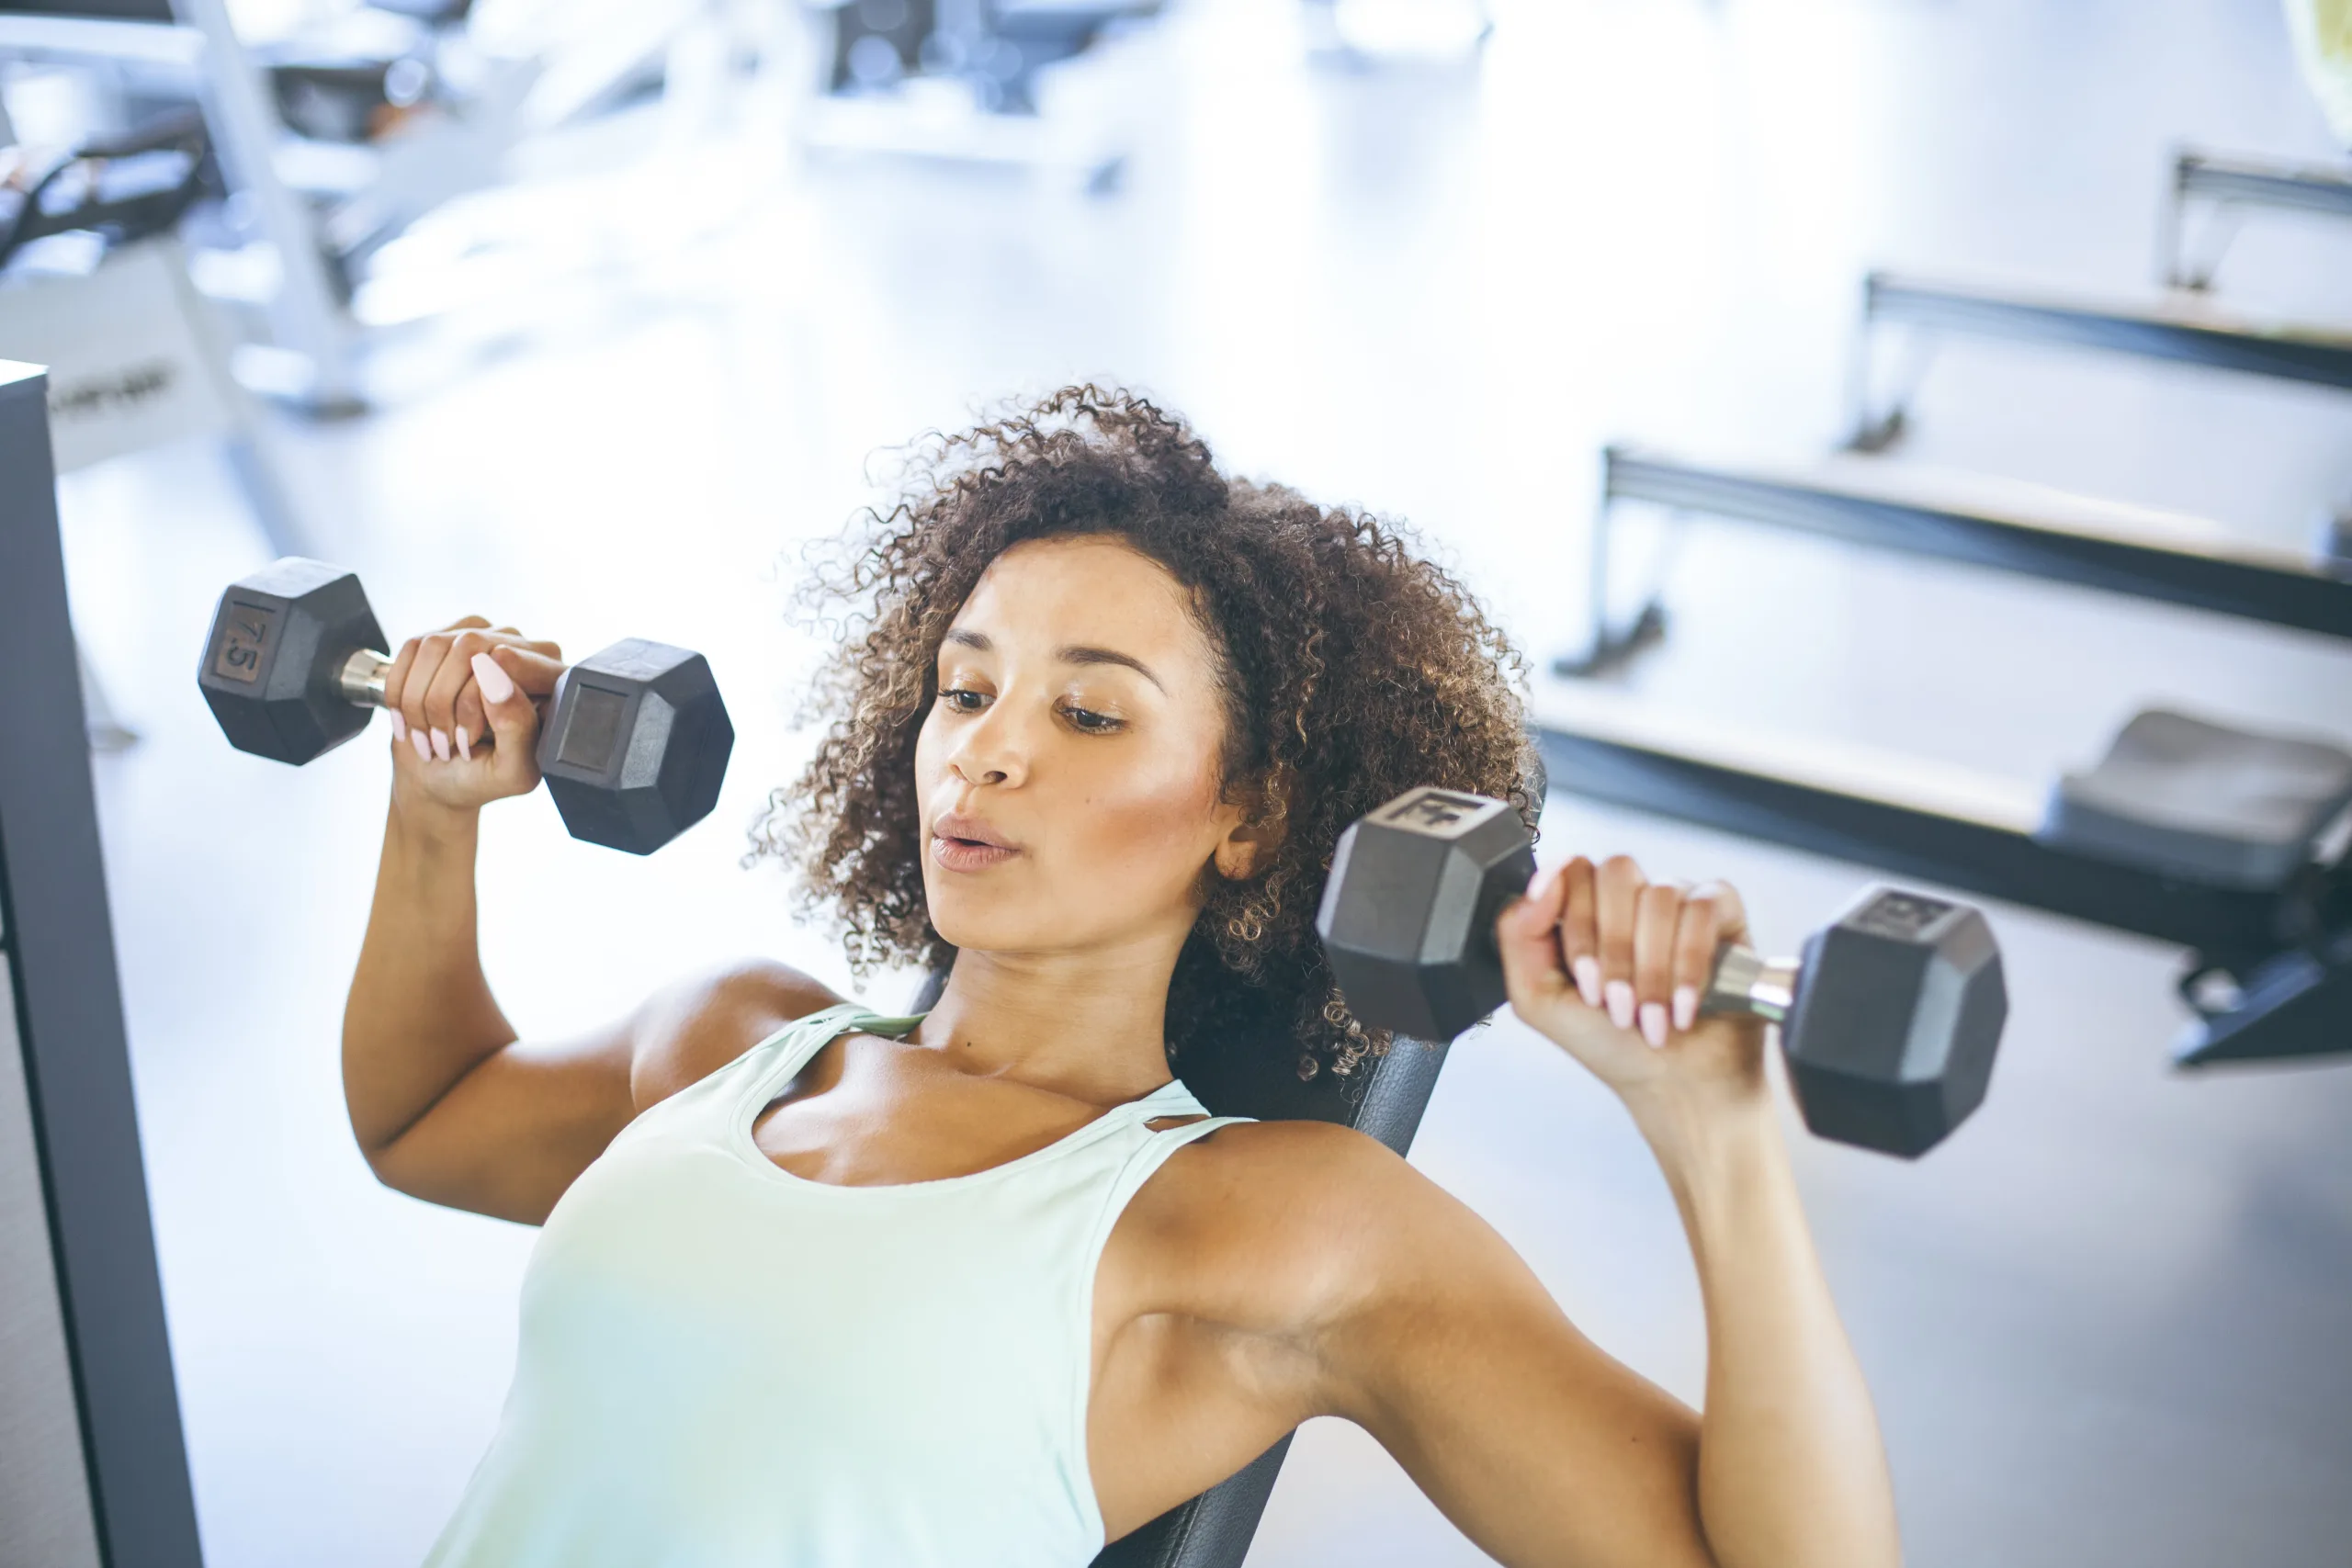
(1384, 1098)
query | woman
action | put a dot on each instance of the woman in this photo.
(987, 1286)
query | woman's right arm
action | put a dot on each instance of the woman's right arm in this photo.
(447, 1103)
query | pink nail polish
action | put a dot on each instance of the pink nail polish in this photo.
(1654, 1023)
(1588, 974)
(1686, 1006)
(1621, 1003)
(465, 750)
(399, 726)
(440, 746)
(496, 683)
(424, 747)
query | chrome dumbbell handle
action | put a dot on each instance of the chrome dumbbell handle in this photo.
(1745, 981)
(360, 677)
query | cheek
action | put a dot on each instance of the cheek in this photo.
(1150, 822)
(926, 759)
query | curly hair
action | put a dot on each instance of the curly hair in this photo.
(1352, 670)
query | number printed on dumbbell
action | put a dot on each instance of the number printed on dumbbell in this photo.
(1434, 808)
(249, 631)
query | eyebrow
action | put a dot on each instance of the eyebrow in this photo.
(1072, 654)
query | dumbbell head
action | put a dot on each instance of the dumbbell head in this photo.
(277, 639)
(1889, 1027)
(1898, 1011)
(635, 745)
(1409, 911)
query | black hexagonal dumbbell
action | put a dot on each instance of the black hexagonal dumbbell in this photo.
(1889, 1021)
(633, 743)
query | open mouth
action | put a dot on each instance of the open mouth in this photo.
(965, 843)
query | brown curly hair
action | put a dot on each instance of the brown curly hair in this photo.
(1352, 670)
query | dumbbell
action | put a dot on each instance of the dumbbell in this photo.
(1889, 1021)
(633, 743)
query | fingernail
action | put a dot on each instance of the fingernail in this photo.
(1686, 1006)
(496, 683)
(399, 726)
(465, 749)
(1654, 1023)
(440, 746)
(424, 747)
(1621, 1003)
(1587, 973)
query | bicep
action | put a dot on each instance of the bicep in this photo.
(1539, 1445)
(511, 1135)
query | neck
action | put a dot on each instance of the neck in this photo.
(1088, 1026)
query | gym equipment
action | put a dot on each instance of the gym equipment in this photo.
(2000, 524)
(315, 208)
(634, 744)
(93, 1466)
(123, 188)
(1889, 1023)
(2228, 842)
(2184, 328)
(957, 81)
(2232, 185)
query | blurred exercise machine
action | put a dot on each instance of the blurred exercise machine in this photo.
(2230, 842)
(333, 143)
(966, 81)
(2231, 188)
(92, 1469)
(94, 283)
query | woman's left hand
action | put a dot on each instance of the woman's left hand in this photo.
(1612, 968)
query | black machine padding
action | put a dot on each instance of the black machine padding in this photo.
(1383, 1098)
(2202, 801)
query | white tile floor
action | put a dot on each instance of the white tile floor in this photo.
(2106, 1324)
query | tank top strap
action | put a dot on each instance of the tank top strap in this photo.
(774, 1060)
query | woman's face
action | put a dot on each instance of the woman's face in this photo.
(1066, 775)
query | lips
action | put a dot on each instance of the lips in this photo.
(959, 842)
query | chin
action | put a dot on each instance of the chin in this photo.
(981, 924)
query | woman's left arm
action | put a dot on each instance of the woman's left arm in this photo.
(1540, 1446)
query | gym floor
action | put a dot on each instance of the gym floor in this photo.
(2106, 1324)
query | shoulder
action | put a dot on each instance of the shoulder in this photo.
(692, 1028)
(1286, 1225)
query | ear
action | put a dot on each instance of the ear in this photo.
(1243, 851)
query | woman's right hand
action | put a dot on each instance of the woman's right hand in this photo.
(465, 715)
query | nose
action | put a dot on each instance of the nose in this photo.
(993, 748)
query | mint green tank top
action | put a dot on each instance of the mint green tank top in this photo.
(724, 1365)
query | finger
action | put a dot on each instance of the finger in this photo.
(454, 673)
(1527, 937)
(535, 667)
(432, 652)
(1617, 892)
(1579, 933)
(506, 705)
(1697, 935)
(1657, 912)
(467, 624)
(470, 723)
(1731, 914)
(395, 678)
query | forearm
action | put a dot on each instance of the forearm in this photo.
(1792, 1468)
(419, 1014)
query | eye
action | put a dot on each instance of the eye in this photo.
(1092, 723)
(963, 700)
